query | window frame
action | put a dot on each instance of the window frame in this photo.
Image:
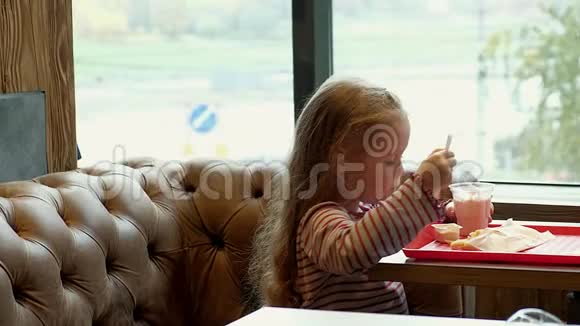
(311, 48)
(312, 35)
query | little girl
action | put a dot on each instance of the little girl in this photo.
(347, 209)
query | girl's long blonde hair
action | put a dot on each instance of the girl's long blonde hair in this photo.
(340, 108)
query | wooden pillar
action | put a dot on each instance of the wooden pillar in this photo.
(36, 53)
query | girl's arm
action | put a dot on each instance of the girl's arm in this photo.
(339, 245)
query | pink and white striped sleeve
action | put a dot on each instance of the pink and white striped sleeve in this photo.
(340, 245)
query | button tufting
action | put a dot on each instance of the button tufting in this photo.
(95, 270)
(218, 242)
(258, 193)
(18, 294)
(150, 250)
(64, 279)
(108, 265)
(137, 314)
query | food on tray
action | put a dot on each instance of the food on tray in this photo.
(510, 237)
(462, 244)
(446, 233)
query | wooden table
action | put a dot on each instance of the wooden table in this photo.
(303, 317)
(400, 268)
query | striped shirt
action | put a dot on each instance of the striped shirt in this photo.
(335, 249)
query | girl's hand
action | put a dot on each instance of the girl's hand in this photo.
(452, 218)
(435, 171)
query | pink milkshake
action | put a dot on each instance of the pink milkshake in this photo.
(472, 214)
(472, 201)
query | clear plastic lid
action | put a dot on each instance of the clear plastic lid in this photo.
(472, 190)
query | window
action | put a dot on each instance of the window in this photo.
(502, 76)
(183, 78)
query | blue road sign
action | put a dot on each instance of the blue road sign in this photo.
(202, 120)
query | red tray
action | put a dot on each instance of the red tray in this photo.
(563, 250)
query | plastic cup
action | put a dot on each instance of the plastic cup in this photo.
(472, 201)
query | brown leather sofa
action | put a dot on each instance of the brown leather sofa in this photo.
(140, 243)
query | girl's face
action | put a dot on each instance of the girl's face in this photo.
(382, 173)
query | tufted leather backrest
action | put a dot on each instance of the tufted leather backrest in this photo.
(141, 243)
